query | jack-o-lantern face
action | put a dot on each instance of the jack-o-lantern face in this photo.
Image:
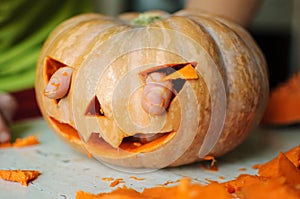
(165, 93)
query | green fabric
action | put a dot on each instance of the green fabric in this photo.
(24, 26)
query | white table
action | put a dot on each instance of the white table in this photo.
(64, 171)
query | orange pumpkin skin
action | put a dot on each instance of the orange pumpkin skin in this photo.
(210, 115)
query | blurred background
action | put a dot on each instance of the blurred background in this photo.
(24, 27)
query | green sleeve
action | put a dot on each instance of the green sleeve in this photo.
(24, 26)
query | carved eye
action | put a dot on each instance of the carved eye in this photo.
(94, 108)
(51, 66)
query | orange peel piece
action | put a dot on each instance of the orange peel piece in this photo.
(21, 176)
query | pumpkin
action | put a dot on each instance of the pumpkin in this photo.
(151, 90)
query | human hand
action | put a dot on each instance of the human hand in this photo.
(241, 12)
(8, 106)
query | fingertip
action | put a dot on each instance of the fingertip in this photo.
(4, 136)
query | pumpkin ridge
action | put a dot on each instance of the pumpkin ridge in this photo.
(219, 62)
(257, 57)
(212, 26)
(64, 27)
(252, 57)
(107, 33)
(68, 37)
(212, 49)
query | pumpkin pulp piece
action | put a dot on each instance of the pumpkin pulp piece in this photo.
(28, 141)
(21, 176)
(268, 168)
(283, 105)
(282, 167)
(21, 142)
(244, 186)
(270, 189)
(185, 189)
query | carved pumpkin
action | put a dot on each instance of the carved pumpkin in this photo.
(207, 75)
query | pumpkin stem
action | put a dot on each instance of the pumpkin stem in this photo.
(145, 19)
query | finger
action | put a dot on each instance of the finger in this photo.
(8, 106)
(157, 94)
(59, 83)
(4, 131)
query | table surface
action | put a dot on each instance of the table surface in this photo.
(65, 171)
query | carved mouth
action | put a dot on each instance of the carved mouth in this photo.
(130, 144)
(66, 130)
(97, 145)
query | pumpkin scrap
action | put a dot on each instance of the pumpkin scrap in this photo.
(213, 166)
(242, 169)
(270, 189)
(282, 167)
(277, 179)
(168, 182)
(21, 176)
(268, 168)
(116, 182)
(241, 181)
(5, 145)
(283, 106)
(136, 178)
(107, 179)
(119, 193)
(21, 142)
(185, 189)
(211, 158)
(28, 141)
